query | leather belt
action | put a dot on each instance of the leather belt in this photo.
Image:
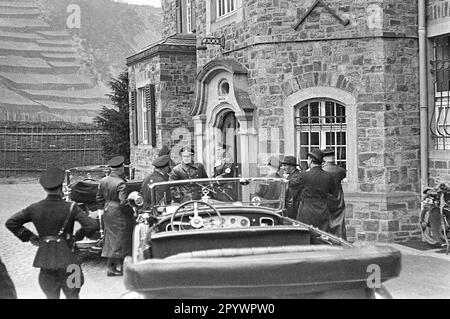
(48, 239)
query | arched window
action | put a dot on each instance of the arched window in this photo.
(321, 123)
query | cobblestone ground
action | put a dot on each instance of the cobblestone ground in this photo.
(18, 257)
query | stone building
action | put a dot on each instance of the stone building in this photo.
(271, 77)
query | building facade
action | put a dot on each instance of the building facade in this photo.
(278, 77)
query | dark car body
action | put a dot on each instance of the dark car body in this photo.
(244, 247)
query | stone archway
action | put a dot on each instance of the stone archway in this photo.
(222, 88)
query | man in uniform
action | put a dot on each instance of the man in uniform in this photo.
(336, 202)
(271, 190)
(188, 170)
(315, 188)
(160, 174)
(224, 168)
(289, 166)
(7, 289)
(118, 217)
(54, 220)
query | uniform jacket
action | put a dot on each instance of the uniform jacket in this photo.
(118, 217)
(155, 177)
(336, 202)
(188, 171)
(223, 169)
(48, 216)
(315, 188)
(293, 194)
(271, 190)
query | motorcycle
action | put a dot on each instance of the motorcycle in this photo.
(435, 216)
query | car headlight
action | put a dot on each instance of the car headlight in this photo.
(132, 295)
(381, 293)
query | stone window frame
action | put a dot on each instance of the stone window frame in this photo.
(142, 112)
(342, 97)
(214, 23)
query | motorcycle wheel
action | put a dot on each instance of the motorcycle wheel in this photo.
(139, 235)
(426, 228)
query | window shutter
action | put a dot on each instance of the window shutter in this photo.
(150, 104)
(134, 128)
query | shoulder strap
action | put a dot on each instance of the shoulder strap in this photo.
(63, 228)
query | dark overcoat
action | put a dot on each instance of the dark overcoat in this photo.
(118, 216)
(160, 192)
(337, 202)
(316, 186)
(188, 171)
(7, 289)
(48, 217)
(293, 194)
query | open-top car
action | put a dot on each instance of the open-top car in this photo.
(229, 238)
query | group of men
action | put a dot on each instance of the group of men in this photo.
(314, 197)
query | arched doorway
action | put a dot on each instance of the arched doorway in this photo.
(228, 129)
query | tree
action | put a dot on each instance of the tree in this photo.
(115, 121)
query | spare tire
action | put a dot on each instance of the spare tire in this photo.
(84, 192)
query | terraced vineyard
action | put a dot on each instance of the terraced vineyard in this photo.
(40, 78)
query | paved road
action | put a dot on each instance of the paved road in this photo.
(424, 275)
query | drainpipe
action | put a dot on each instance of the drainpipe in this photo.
(423, 83)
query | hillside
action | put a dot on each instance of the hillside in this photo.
(49, 72)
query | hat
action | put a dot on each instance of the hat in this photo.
(328, 152)
(52, 178)
(116, 161)
(161, 161)
(289, 160)
(274, 161)
(316, 154)
(165, 150)
(186, 151)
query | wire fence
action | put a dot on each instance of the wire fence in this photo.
(29, 148)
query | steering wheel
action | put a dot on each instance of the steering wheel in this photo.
(196, 221)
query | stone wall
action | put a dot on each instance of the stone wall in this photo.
(169, 17)
(174, 79)
(374, 58)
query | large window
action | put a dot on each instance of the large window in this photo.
(321, 124)
(440, 120)
(225, 7)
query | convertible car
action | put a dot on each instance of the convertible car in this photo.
(229, 238)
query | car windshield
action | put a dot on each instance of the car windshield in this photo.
(264, 192)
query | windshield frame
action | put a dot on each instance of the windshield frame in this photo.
(283, 182)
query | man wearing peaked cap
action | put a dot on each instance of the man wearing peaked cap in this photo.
(118, 217)
(187, 169)
(336, 202)
(54, 220)
(315, 188)
(116, 162)
(289, 165)
(160, 174)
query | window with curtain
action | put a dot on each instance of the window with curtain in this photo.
(320, 124)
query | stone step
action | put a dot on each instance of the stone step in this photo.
(20, 36)
(89, 96)
(55, 43)
(20, 64)
(19, 13)
(25, 24)
(54, 35)
(71, 106)
(28, 81)
(18, 4)
(30, 48)
(59, 57)
(9, 97)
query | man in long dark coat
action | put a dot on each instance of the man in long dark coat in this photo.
(160, 174)
(118, 217)
(336, 202)
(7, 289)
(316, 187)
(289, 165)
(54, 220)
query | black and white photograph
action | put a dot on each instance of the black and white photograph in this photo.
(224, 150)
